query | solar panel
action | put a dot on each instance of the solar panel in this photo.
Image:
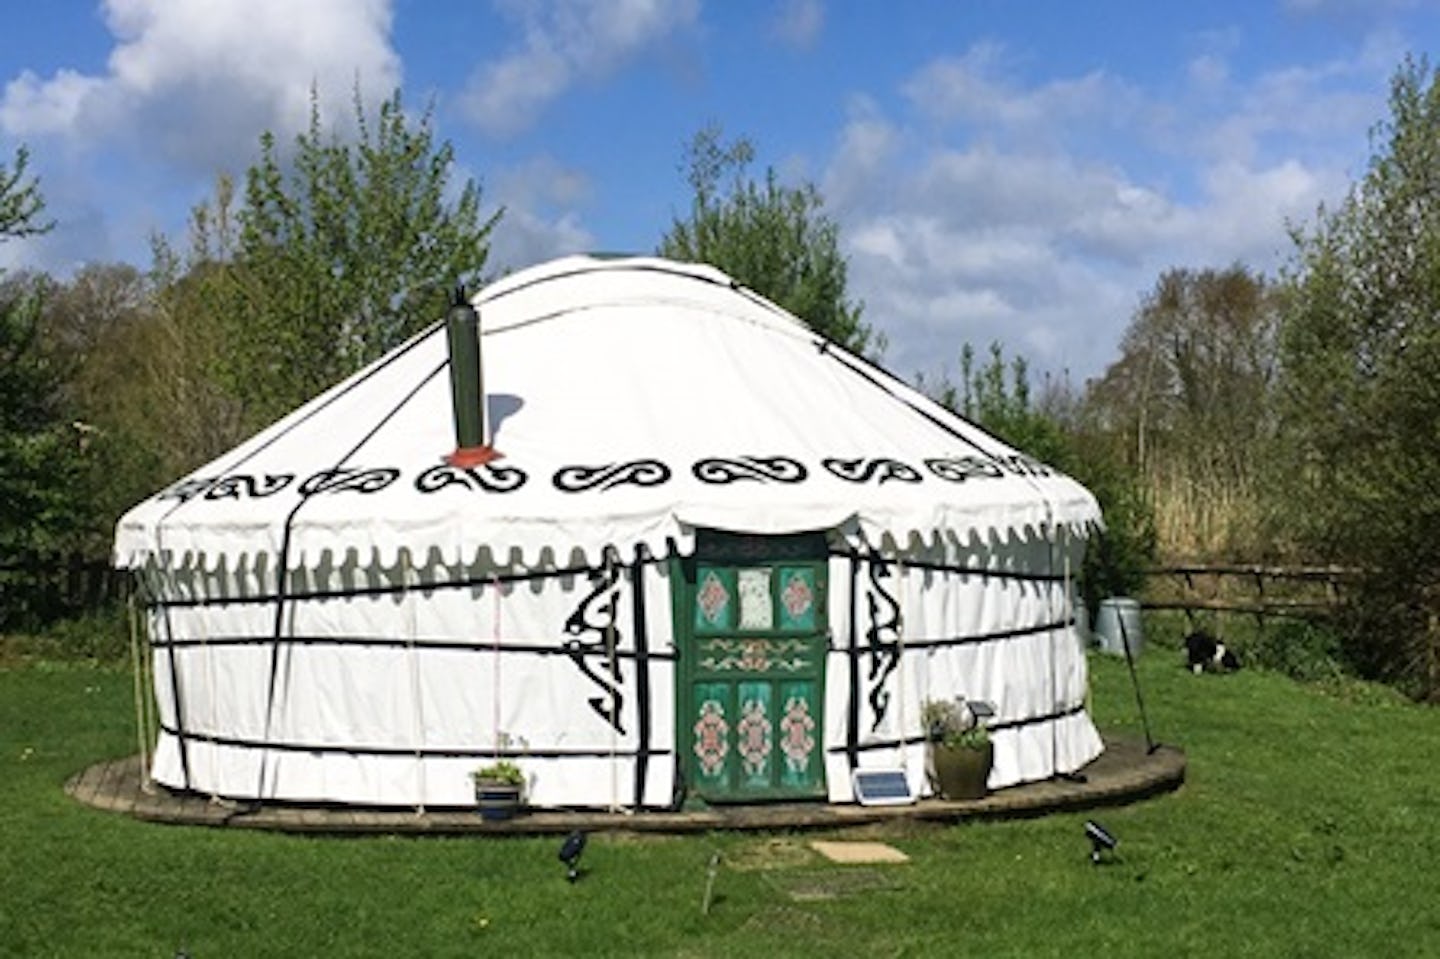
(881, 787)
(980, 709)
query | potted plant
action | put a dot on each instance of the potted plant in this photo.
(961, 753)
(499, 788)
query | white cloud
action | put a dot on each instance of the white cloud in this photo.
(987, 208)
(35, 107)
(1247, 207)
(194, 82)
(868, 142)
(1208, 73)
(974, 88)
(565, 42)
(543, 201)
(525, 238)
(799, 22)
(542, 180)
(186, 90)
(1296, 101)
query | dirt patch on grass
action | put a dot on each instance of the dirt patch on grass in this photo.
(818, 885)
(772, 853)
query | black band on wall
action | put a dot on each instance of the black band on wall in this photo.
(640, 630)
(852, 718)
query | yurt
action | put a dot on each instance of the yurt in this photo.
(707, 555)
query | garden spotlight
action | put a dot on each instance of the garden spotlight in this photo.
(1100, 840)
(570, 851)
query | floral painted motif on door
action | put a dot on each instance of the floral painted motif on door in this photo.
(753, 640)
(712, 739)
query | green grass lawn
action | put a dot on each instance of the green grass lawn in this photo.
(1309, 825)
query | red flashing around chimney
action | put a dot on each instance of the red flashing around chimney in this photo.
(466, 457)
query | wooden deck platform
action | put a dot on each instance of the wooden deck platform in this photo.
(1125, 772)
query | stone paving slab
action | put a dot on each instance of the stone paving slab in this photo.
(1125, 772)
(858, 852)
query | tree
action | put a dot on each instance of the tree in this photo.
(21, 204)
(1189, 404)
(775, 239)
(99, 328)
(1196, 367)
(332, 258)
(35, 465)
(997, 395)
(26, 384)
(1360, 348)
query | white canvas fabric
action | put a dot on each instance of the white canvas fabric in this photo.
(340, 616)
(620, 381)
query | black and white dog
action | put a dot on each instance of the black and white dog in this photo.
(1206, 653)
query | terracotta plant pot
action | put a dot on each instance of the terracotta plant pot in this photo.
(961, 772)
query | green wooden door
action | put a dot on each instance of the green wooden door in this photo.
(752, 636)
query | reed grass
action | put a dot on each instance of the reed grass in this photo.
(1200, 514)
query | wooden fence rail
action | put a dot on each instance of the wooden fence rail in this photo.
(1302, 592)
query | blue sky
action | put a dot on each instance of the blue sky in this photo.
(1013, 171)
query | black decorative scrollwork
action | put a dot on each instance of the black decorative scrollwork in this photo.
(884, 653)
(777, 469)
(579, 479)
(603, 598)
(961, 468)
(487, 478)
(1022, 465)
(349, 480)
(881, 469)
(187, 490)
(241, 486)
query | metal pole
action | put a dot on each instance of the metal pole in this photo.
(1150, 744)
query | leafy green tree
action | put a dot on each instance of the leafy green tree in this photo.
(58, 466)
(1360, 348)
(21, 203)
(775, 239)
(1189, 406)
(998, 396)
(98, 328)
(36, 465)
(195, 352)
(333, 255)
(1195, 372)
(28, 386)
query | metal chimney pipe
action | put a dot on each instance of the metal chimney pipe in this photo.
(467, 387)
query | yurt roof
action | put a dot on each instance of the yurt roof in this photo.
(633, 401)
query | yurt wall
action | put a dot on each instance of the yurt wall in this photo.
(389, 686)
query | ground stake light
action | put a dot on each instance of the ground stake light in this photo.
(1101, 841)
(710, 883)
(570, 852)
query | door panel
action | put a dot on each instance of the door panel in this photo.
(797, 598)
(754, 738)
(714, 601)
(800, 737)
(712, 735)
(752, 639)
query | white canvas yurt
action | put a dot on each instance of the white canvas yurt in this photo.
(718, 557)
